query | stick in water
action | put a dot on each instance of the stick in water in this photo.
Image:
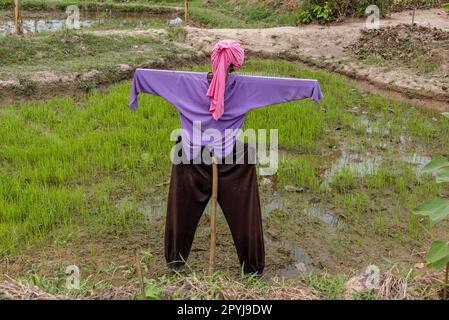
(17, 18)
(213, 216)
(186, 10)
(139, 272)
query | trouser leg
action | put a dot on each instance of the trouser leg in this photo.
(238, 196)
(190, 190)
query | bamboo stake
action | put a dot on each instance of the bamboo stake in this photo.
(213, 216)
(139, 272)
(186, 10)
(17, 21)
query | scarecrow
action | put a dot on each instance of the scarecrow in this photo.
(217, 101)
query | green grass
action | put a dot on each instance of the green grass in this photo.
(65, 46)
(85, 166)
(74, 51)
(72, 161)
(62, 46)
(424, 65)
(329, 288)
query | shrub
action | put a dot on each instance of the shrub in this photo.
(324, 11)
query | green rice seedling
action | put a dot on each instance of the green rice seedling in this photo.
(344, 179)
(299, 171)
(380, 224)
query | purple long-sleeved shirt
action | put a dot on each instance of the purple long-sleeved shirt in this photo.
(187, 92)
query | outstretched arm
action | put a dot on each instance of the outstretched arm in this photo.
(177, 87)
(257, 92)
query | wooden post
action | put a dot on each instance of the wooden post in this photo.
(213, 216)
(139, 272)
(186, 10)
(17, 19)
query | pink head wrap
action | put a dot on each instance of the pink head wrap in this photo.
(224, 53)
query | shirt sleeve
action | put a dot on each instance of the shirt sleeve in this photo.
(176, 87)
(257, 92)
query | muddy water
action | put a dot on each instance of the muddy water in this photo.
(325, 216)
(272, 206)
(55, 21)
(416, 159)
(364, 164)
(358, 165)
(301, 263)
(38, 25)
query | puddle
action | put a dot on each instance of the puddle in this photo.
(417, 160)
(327, 217)
(301, 265)
(54, 21)
(404, 140)
(275, 205)
(33, 23)
(372, 128)
(153, 210)
(359, 165)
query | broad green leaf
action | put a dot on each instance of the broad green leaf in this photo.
(152, 293)
(438, 255)
(436, 209)
(445, 6)
(443, 175)
(435, 164)
(446, 114)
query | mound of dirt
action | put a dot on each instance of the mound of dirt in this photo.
(418, 47)
(401, 41)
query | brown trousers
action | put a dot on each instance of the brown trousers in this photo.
(238, 197)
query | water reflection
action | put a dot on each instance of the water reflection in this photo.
(275, 205)
(38, 25)
(359, 165)
(325, 216)
(34, 22)
(301, 265)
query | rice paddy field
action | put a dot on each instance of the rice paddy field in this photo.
(84, 181)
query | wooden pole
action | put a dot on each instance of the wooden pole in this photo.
(17, 20)
(213, 216)
(186, 10)
(139, 272)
